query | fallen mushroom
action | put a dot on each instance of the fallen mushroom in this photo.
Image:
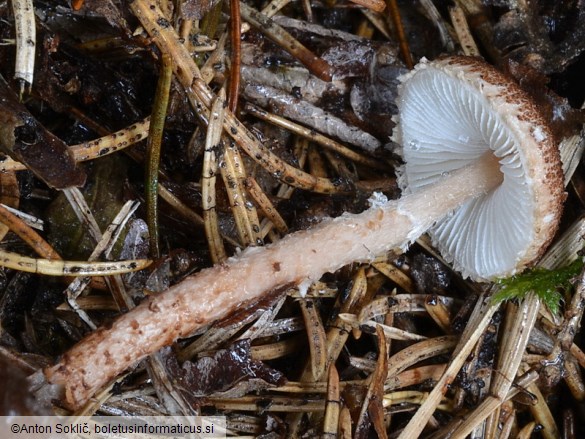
(458, 115)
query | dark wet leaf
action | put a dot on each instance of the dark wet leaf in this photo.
(108, 10)
(16, 398)
(26, 140)
(429, 275)
(225, 369)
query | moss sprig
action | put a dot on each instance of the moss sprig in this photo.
(546, 284)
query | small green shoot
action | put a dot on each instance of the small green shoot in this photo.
(546, 284)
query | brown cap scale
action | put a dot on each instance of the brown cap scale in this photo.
(451, 112)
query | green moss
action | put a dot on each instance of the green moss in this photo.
(547, 284)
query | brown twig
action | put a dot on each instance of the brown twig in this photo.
(316, 65)
(236, 55)
(394, 13)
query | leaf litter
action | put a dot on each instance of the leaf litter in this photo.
(331, 362)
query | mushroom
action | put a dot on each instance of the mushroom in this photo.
(451, 112)
(482, 172)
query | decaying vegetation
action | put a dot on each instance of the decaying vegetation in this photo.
(183, 132)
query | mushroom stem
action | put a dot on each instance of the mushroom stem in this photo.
(218, 291)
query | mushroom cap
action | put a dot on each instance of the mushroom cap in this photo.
(451, 112)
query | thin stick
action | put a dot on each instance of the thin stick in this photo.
(394, 13)
(236, 56)
(317, 66)
(27, 234)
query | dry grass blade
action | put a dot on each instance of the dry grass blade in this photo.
(567, 247)
(333, 407)
(382, 345)
(395, 275)
(268, 209)
(418, 352)
(433, 13)
(24, 17)
(281, 349)
(234, 176)
(317, 337)
(208, 179)
(103, 246)
(573, 377)
(69, 268)
(415, 376)
(379, 22)
(338, 331)
(482, 27)
(389, 331)
(439, 313)
(372, 408)
(517, 334)
(262, 326)
(83, 212)
(466, 40)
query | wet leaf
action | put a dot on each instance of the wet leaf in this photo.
(429, 275)
(225, 369)
(26, 140)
